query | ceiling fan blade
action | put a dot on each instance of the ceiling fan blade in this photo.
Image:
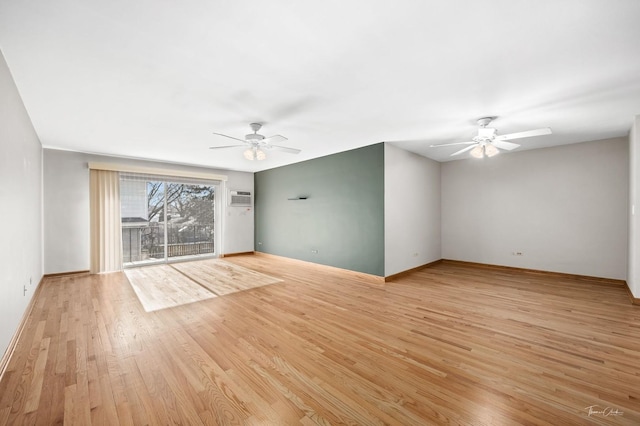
(505, 145)
(226, 146)
(451, 144)
(284, 149)
(465, 149)
(272, 139)
(230, 137)
(527, 134)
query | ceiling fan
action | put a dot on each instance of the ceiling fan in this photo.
(488, 143)
(257, 144)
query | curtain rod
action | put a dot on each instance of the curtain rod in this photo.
(155, 171)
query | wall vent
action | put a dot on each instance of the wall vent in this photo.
(239, 198)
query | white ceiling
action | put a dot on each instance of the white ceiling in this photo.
(154, 79)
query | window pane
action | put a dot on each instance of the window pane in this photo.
(142, 207)
(190, 219)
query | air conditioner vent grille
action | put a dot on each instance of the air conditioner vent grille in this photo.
(240, 198)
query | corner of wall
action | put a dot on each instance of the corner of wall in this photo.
(633, 256)
(412, 210)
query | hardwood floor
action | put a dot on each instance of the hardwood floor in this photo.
(161, 286)
(170, 285)
(449, 344)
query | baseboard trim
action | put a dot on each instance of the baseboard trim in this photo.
(610, 281)
(64, 274)
(634, 300)
(361, 275)
(379, 279)
(4, 362)
(410, 271)
(242, 253)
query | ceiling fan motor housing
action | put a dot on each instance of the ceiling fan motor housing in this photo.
(254, 137)
(485, 135)
(484, 121)
(486, 132)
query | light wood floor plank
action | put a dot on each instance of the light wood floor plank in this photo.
(161, 286)
(222, 277)
(449, 344)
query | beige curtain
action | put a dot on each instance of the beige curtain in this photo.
(106, 232)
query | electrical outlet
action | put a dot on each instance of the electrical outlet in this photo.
(516, 253)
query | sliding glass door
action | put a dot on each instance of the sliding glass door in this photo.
(164, 219)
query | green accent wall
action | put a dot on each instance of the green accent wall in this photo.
(340, 224)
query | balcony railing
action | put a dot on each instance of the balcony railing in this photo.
(147, 242)
(186, 249)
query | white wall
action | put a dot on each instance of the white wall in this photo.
(66, 208)
(20, 207)
(564, 208)
(411, 210)
(633, 272)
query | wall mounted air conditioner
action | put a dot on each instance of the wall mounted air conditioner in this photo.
(239, 198)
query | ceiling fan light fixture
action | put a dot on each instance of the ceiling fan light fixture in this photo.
(490, 150)
(254, 154)
(249, 155)
(477, 152)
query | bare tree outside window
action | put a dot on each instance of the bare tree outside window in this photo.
(188, 221)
